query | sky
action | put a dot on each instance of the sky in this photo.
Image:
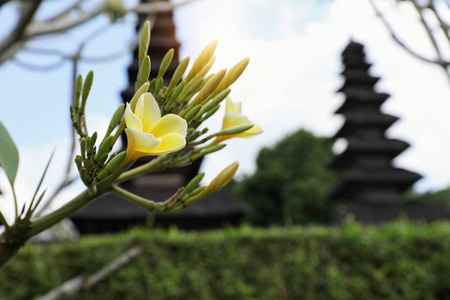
(290, 83)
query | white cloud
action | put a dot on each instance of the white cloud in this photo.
(290, 83)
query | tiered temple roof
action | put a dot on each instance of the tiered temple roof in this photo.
(368, 173)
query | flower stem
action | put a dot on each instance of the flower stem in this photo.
(147, 204)
(51, 219)
(154, 165)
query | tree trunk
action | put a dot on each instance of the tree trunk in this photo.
(9, 246)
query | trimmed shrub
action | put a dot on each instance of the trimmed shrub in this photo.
(401, 260)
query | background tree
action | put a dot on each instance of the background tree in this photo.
(291, 182)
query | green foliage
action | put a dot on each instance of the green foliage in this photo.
(9, 155)
(401, 260)
(440, 197)
(291, 181)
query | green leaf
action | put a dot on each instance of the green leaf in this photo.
(32, 209)
(9, 155)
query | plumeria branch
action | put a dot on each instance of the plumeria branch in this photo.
(29, 28)
(12, 42)
(158, 121)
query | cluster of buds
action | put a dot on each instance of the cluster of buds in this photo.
(94, 164)
(164, 121)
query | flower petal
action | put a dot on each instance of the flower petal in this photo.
(170, 143)
(151, 113)
(131, 120)
(170, 124)
(233, 119)
(139, 107)
(139, 141)
(230, 106)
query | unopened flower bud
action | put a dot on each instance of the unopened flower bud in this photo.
(104, 148)
(144, 71)
(203, 59)
(112, 165)
(165, 63)
(115, 119)
(209, 150)
(179, 71)
(86, 89)
(144, 41)
(235, 129)
(190, 115)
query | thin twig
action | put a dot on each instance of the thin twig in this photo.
(157, 7)
(37, 68)
(428, 30)
(443, 25)
(79, 283)
(396, 39)
(440, 61)
(10, 43)
(64, 13)
(64, 24)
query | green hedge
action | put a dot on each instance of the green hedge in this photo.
(401, 260)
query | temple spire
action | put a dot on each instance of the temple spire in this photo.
(366, 163)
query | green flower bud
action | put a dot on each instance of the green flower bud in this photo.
(197, 191)
(86, 89)
(203, 59)
(102, 160)
(104, 148)
(205, 69)
(210, 113)
(192, 136)
(234, 130)
(78, 87)
(191, 185)
(115, 119)
(191, 89)
(78, 162)
(190, 115)
(112, 165)
(91, 143)
(215, 101)
(83, 146)
(165, 63)
(158, 84)
(208, 150)
(177, 75)
(210, 86)
(144, 41)
(144, 71)
(177, 92)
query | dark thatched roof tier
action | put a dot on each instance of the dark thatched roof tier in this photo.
(357, 182)
(357, 100)
(357, 150)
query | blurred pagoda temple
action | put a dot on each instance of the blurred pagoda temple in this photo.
(110, 213)
(371, 186)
